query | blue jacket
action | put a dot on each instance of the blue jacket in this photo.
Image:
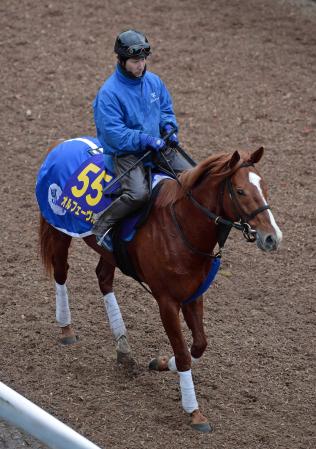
(125, 107)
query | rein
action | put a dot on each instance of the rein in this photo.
(224, 224)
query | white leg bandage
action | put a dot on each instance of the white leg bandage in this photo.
(114, 315)
(189, 402)
(172, 363)
(63, 316)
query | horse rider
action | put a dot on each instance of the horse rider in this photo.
(132, 112)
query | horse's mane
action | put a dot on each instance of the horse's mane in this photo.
(216, 165)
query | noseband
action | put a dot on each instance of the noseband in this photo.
(225, 225)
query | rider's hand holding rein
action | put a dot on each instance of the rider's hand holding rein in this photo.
(172, 140)
(148, 142)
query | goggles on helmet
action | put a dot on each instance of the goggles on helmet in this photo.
(138, 50)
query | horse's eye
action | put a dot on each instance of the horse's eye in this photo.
(240, 192)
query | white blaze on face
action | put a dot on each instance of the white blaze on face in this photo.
(255, 180)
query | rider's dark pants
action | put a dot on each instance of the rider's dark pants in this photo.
(135, 189)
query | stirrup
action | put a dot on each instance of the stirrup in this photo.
(106, 240)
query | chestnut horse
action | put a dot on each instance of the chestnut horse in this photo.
(173, 254)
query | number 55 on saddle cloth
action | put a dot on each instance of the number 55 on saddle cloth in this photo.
(70, 183)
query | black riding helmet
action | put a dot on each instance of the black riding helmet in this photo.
(131, 44)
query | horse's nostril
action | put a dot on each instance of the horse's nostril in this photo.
(270, 241)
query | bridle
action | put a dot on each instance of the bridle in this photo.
(225, 225)
(243, 218)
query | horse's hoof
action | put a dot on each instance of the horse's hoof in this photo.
(128, 363)
(202, 427)
(199, 422)
(68, 340)
(123, 358)
(123, 345)
(159, 364)
(133, 368)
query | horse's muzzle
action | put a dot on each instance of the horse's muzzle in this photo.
(267, 242)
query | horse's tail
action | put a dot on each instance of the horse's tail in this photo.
(46, 245)
(46, 235)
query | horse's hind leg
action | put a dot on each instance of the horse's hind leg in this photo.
(61, 243)
(105, 275)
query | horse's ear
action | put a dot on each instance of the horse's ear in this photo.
(234, 159)
(256, 155)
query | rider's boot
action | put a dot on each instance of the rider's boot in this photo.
(115, 212)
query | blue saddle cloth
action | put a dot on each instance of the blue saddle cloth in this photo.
(70, 183)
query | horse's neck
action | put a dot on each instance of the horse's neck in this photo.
(200, 230)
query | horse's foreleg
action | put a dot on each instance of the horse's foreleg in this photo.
(193, 315)
(60, 266)
(169, 312)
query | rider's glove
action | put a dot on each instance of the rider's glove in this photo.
(151, 143)
(173, 139)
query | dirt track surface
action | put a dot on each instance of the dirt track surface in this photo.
(242, 75)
